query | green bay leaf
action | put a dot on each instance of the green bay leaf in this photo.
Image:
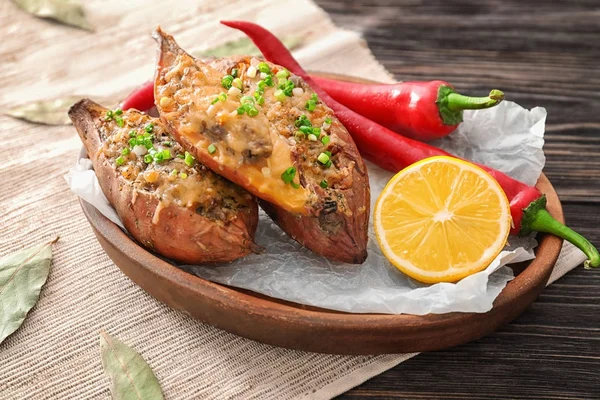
(244, 46)
(130, 375)
(69, 12)
(22, 275)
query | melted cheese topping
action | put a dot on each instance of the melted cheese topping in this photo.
(243, 143)
(170, 181)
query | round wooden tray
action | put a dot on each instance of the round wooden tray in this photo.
(295, 326)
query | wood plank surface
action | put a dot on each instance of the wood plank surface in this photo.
(540, 53)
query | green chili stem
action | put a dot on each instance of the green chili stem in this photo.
(459, 102)
(542, 221)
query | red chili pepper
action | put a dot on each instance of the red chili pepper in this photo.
(420, 110)
(408, 108)
(142, 98)
(395, 152)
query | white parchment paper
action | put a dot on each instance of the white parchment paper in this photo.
(507, 137)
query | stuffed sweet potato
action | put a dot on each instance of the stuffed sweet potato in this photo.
(258, 126)
(168, 202)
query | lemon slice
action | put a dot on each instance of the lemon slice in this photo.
(442, 219)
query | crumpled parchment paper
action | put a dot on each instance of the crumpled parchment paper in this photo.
(507, 137)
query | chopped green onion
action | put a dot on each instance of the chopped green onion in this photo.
(328, 164)
(302, 121)
(294, 185)
(253, 112)
(248, 108)
(211, 149)
(147, 143)
(312, 138)
(264, 67)
(306, 130)
(251, 72)
(260, 86)
(259, 99)
(223, 96)
(328, 153)
(237, 82)
(142, 140)
(148, 158)
(120, 122)
(173, 173)
(325, 140)
(299, 135)
(118, 111)
(125, 151)
(109, 115)
(227, 81)
(167, 143)
(282, 83)
(189, 159)
(149, 128)
(165, 155)
(279, 95)
(288, 175)
(323, 158)
(247, 100)
(132, 134)
(311, 104)
(180, 156)
(233, 91)
(234, 72)
(183, 175)
(316, 130)
(215, 101)
(282, 73)
(323, 184)
(269, 81)
(328, 121)
(120, 160)
(288, 88)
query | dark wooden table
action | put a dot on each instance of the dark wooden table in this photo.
(540, 53)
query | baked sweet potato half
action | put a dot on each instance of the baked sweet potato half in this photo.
(264, 129)
(168, 202)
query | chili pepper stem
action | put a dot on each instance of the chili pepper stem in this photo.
(451, 104)
(459, 102)
(537, 218)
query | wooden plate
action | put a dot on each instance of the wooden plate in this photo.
(295, 326)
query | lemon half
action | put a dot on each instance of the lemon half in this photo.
(442, 219)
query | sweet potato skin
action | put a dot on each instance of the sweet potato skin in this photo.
(338, 232)
(180, 233)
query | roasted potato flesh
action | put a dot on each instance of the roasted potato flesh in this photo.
(168, 201)
(310, 174)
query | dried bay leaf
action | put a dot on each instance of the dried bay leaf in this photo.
(244, 46)
(69, 12)
(22, 275)
(130, 375)
(48, 112)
